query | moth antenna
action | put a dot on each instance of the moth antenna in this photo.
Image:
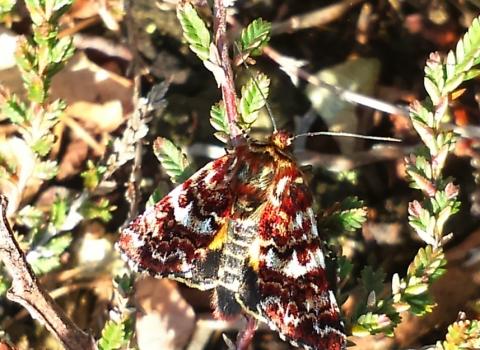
(267, 105)
(347, 134)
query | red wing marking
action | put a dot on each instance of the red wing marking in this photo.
(173, 237)
(294, 294)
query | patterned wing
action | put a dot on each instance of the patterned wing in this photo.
(182, 235)
(293, 293)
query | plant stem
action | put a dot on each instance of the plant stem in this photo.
(227, 86)
(245, 337)
(27, 291)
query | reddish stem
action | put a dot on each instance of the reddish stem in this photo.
(245, 337)
(228, 87)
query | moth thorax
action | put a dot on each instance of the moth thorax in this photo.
(281, 139)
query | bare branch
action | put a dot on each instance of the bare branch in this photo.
(27, 291)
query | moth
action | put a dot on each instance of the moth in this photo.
(244, 226)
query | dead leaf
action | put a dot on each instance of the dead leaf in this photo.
(356, 75)
(84, 9)
(82, 80)
(18, 181)
(105, 117)
(73, 160)
(168, 320)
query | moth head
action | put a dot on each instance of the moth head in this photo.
(281, 139)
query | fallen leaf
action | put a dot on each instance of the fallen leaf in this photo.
(356, 75)
(82, 80)
(168, 320)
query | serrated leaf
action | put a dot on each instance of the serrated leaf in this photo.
(255, 36)
(194, 30)
(345, 267)
(352, 219)
(372, 280)
(101, 209)
(218, 119)
(254, 95)
(43, 145)
(45, 170)
(173, 160)
(113, 336)
(15, 110)
(62, 50)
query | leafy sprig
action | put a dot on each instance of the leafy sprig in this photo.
(428, 217)
(173, 160)
(252, 40)
(464, 334)
(218, 119)
(118, 330)
(194, 30)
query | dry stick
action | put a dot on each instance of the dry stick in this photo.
(344, 94)
(245, 336)
(315, 18)
(27, 291)
(136, 174)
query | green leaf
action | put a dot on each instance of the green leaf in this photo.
(173, 160)
(59, 212)
(218, 119)
(45, 170)
(62, 50)
(93, 175)
(255, 36)
(155, 197)
(15, 110)
(113, 336)
(350, 216)
(345, 267)
(30, 216)
(6, 6)
(372, 323)
(4, 284)
(43, 145)
(47, 257)
(463, 334)
(194, 30)
(254, 96)
(101, 210)
(372, 280)
(36, 11)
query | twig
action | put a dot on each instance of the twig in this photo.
(245, 336)
(136, 174)
(228, 87)
(319, 17)
(27, 291)
(103, 283)
(343, 94)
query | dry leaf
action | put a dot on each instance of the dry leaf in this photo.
(82, 80)
(356, 75)
(97, 117)
(168, 320)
